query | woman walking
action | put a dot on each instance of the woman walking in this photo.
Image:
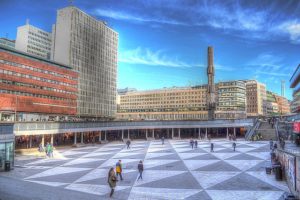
(112, 181)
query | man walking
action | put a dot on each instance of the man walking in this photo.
(162, 140)
(234, 145)
(128, 144)
(141, 169)
(211, 147)
(196, 144)
(119, 169)
(112, 181)
(192, 143)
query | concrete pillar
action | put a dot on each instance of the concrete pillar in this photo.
(146, 134)
(179, 133)
(227, 134)
(205, 133)
(199, 133)
(128, 134)
(153, 133)
(82, 138)
(43, 140)
(30, 141)
(99, 136)
(172, 133)
(105, 133)
(122, 134)
(51, 140)
(234, 133)
(75, 138)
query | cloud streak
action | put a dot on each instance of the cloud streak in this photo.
(144, 56)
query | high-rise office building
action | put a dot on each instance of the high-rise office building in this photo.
(256, 98)
(33, 40)
(90, 47)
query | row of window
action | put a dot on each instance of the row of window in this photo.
(35, 95)
(42, 39)
(37, 69)
(12, 73)
(35, 86)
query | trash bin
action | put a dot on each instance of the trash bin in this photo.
(7, 166)
(278, 172)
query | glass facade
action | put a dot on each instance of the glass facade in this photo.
(7, 146)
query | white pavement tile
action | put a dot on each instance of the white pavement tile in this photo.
(53, 184)
(94, 189)
(112, 162)
(155, 155)
(224, 156)
(195, 164)
(184, 156)
(46, 160)
(160, 193)
(261, 155)
(81, 161)
(245, 195)
(243, 164)
(210, 178)
(154, 163)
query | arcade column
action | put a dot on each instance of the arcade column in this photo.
(205, 133)
(81, 138)
(122, 134)
(75, 138)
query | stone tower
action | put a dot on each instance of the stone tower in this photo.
(211, 104)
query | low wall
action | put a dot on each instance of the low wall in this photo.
(291, 170)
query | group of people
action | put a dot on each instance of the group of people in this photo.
(194, 143)
(113, 176)
(48, 149)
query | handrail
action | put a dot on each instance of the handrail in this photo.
(252, 130)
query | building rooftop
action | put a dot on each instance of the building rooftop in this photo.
(26, 55)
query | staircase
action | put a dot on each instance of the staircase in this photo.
(266, 130)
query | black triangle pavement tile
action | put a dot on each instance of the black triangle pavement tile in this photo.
(243, 181)
(181, 181)
(243, 156)
(199, 196)
(219, 166)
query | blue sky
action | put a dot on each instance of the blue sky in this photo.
(163, 43)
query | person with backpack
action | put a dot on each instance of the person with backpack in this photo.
(128, 144)
(119, 169)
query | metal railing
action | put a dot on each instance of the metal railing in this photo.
(252, 130)
(115, 125)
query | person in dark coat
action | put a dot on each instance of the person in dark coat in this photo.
(141, 169)
(128, 144)
(271, 144)
(163, 140)
(112, 181)
(211, 147)
(234, 146)
(192, 143)
(196, 144)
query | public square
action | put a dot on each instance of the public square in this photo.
(172, 171)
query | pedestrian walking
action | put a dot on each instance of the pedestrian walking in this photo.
(211, 147)
(50, 150)
(275, 146)
(112, 181)
(141, 169)
(196, 144)
(209, 137)
(119, 169)
(47, 149)
(128, 144)
(271, 144)
(192, 143)
(162, 140)
(230, 137)
(234, 146)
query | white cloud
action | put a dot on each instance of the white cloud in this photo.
(292, 28)
(148, 57)
(134, 18)
(143, 56)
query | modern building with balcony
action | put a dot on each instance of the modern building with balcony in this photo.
(294, 83)
(33, 88)
(256, 98)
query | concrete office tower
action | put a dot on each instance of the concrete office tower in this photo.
(33, 40)
(90, 47)
(256, 98)
(211, 105)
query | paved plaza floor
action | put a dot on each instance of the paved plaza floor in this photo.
(172, 171)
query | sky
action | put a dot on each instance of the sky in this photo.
(163, 43)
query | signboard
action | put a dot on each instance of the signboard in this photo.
(296, 128)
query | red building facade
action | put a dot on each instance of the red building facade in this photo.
(29, 84)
